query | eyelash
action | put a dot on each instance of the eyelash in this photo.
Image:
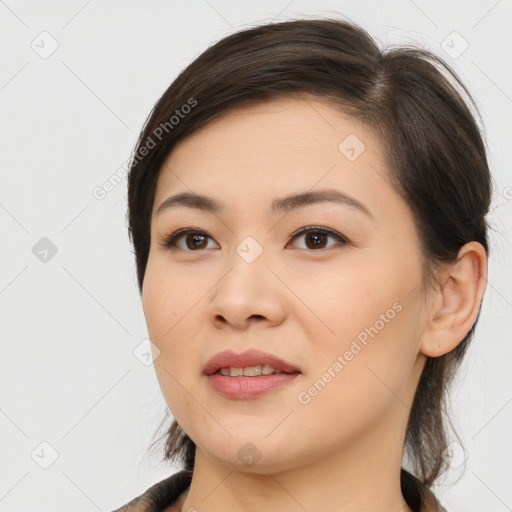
(170, 241)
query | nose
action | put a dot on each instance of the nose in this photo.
(247, 293)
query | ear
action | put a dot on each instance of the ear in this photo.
(456, 301)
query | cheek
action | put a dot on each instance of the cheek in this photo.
(366, 316)
(169, 327)
(166, 299)
(345, 299)
(354, 382)
(172, 311)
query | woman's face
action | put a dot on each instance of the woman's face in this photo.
(341, 303)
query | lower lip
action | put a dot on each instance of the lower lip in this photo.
(249, 387)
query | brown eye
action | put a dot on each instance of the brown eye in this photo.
(194, 240)
(316, 238)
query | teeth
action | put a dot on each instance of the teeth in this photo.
(249, 371)
(268, 370)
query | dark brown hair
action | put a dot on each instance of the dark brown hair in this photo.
(413, 101)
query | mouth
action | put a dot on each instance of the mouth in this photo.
(252, 363)
(251, 371)
(248, 375)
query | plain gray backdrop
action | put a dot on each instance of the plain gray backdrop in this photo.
(78, 402)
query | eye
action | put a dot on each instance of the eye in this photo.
(196, 239)
(317, 235)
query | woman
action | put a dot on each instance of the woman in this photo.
(308, 218)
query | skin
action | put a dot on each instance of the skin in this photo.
(342, 451)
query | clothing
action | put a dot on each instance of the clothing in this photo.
(169, 494)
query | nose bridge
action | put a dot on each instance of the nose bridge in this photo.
(246, 290)
(246, 268)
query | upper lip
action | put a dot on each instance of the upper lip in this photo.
(229, 359)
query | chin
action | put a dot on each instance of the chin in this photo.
(255, 454)
(250, 459)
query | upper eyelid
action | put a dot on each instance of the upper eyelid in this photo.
(324, 229)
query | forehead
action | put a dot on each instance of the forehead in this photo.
(301, 124)
(276, 143)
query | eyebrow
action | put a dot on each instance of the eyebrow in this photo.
(279, 205)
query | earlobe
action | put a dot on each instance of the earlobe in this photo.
(456, 301)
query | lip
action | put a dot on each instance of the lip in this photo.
(248, 387)
(230, 359)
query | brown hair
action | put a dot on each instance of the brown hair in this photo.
(434, 153)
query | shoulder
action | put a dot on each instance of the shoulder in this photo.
(160, 496)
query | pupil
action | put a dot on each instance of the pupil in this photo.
(195, 239)
(316, 237)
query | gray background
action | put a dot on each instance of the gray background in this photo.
(71, 320)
